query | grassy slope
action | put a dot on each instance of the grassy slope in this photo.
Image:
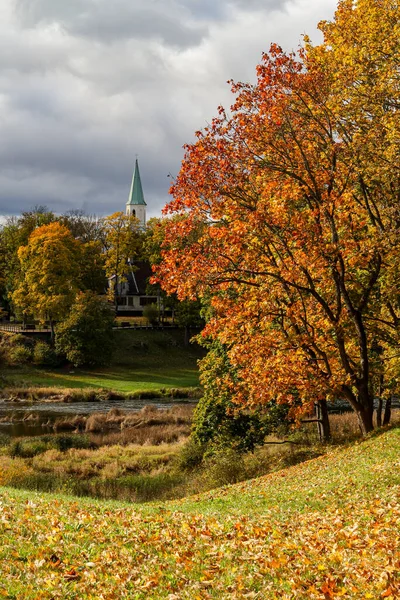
(143, 360)
(328, 528)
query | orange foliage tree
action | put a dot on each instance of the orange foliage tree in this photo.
(290, 214)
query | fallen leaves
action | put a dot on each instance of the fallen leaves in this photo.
(248, 546)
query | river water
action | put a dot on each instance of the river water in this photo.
(31, 419)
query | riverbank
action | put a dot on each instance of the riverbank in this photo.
(145, 363)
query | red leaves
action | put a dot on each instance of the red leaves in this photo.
(289, 211)
(328, 588)
(71, 575)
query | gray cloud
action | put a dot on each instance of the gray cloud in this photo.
(87, 84)
(107, 22)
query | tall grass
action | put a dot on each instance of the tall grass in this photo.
(57, 394)
(148, 456)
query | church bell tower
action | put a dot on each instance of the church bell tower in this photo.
(136, 204)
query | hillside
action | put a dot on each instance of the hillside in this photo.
(142, 360)
(327, 528)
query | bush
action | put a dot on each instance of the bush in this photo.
(86, 336)
(27, 448)
(221, 423)
(44, 355)
(15, 349)
(225, 467)
(150, 313)
(191, 455)
(4, 439)
(30, 447)
(66, 442)
(217, 421)
(19, 339)
(19, 355)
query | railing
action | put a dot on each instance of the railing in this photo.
(36, 328)
(24, 327)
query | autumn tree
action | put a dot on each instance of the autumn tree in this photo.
(85, 336)
(185, 313)
(290, 218)
(122, 243)
(15, 233)
(84, 227)
(49, 273)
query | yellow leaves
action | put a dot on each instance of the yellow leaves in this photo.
(265, 547)
(50, 272)
(122, 242)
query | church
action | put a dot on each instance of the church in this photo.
(132, 297)
(136, 204)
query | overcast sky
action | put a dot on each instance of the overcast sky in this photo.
(85, 85)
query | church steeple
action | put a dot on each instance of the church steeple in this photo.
(136, 204)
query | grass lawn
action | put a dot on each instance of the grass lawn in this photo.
(143, 360)
(325, 529)
(120, 379)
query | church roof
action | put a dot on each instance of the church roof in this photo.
(136, 193)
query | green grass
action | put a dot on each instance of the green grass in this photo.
(119, 379)
(327, 528)
(143, 360)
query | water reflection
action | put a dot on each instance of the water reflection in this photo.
(24, 419)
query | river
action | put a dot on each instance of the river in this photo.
(19, 419)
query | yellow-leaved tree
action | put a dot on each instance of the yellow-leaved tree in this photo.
(50, 274)
(122, 242)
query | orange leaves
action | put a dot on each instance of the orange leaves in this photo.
(285, 535)
(294, 202)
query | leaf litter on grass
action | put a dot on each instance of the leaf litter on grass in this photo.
(305, 538)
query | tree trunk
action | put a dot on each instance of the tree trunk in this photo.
(116, 295)
(365, 419)
(363, 406)
(379, 412)
(388, 411)
(186, 336)
(324, 428)
(380, 403)
(51, 331)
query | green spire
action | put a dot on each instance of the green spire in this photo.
(136, 194)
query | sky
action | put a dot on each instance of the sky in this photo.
(86, 85)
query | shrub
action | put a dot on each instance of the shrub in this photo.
(44, 355)
(27, 448)
(4, 439)
(191, 455)
(85, 337)
(216, 419)
(30, 447)
(19, 339)
(19, 355)
(221, 423)
(66, 442)
(150, 313)
(225, 467)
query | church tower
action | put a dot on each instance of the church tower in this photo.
(136, 205)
